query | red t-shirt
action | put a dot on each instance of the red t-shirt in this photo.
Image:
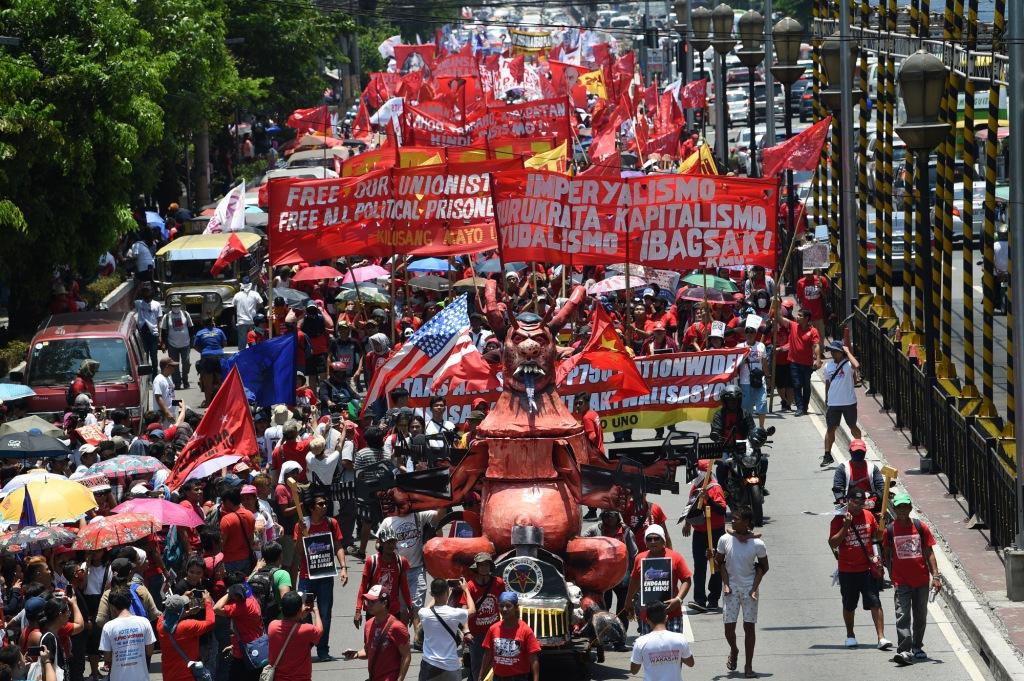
(326, 526)
(486, 603)
(305, 397)
(801, 344)
(781, 347)
(852, 557)
(511, 647)
(810, 291)
(592, 427)
(697, 332)
(379, 571)
(187, 635)
(296, 663)
(383, 654)
(246, 622)
(907, 550)
(291, 450)
(632, 519)
(717, 498)
(680, 573)
(236, 530)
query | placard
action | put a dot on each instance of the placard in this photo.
(91, 435)
(463, 529)
(320, 553)
(655, 580)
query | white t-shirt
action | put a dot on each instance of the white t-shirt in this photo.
(147, 314)
(143, 256)
(409, 530)
(755, 359)
(840, 390)
(438, 645)
(661, 653)
(323, 468)
(164, 387)
(247, 304)
(177, 327)
(127, 638)
(273, 435)
(740, 559)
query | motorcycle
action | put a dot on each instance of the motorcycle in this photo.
(747, 464)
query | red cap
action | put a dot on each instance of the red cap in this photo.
(153, 426)
(703, 464)
(479, 402)
(858, 445)
(787, 303)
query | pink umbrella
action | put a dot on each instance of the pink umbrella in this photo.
(361, 274)
(317, 273)
(616, 283)
(165, 512)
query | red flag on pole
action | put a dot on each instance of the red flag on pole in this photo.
(317, 118)
(800, 152)
(233, 250)
(694, 94)
(226, 429)
(605, 350)
(517, 68)
(361, 126)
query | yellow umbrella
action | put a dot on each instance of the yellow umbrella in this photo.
(53, 501)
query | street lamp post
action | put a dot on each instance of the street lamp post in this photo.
(722, 19)
(786, 36)
(751, 30)
(700, 25)
(683, 57)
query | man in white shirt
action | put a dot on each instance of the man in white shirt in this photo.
(660, 653)
(442, 633)
(409, 530)
(147, 320)
(752, 371)
(176, 336)
(438, 424)
(163, 391)
(247, 303)
(127, 640)
(840, 396)
(144, 261)
(742, 561)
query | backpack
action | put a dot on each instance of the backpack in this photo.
(137, 607)
(890, 533)
(262, 584)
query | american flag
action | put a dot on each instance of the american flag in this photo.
(424, 352)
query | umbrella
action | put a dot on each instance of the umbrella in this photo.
(430, 282)
(14, 391)
(292, 297)
(214, 465)
(153, 219)
(163, 511)
(126, 466)
(368, 273)
(317, 273)
(616, 283)
(350, 295)
(711, 281)
(30, 446)
(699, 294)
(35, 538)
(489, 266)
(25, 478)
(637, 270)
(471, 283)
(54, 501)
(106, 532)
(429, 265)
(30, 423)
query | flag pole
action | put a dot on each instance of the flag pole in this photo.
(774, 315)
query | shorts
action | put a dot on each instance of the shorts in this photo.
(856, 586)
(736, 600)
(316, 365)
(755, 400)
(208, 364)
(782, 377)
(847, 411)
(672, 624)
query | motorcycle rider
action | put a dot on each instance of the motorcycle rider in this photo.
(334, 393)
(729, 424)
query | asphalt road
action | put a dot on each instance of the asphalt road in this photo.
(800, 632)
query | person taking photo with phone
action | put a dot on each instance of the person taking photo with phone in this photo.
(292, 638)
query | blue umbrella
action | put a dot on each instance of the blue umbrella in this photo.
(30, 446)
(429, 265)
(15, 391)
(489, 266)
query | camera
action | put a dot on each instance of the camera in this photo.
(309, 598)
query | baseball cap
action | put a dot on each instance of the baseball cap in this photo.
(648, 292)
(87, 449)
(479, 402)
(858, 445)
(34, 606)
(902, 499)
(374, 594)
(248, 489)
(475, 415)
(482, 557)
(836, 346)
(857, 494)
(167, 362)
(658, 326)
(703, 464)
(83, 400)
(655, 530)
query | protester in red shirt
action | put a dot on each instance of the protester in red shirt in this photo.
(638, 519)
(319, 523)
(804, 351)
(179, 634)
(510, 646)
(237, 525)
(385, 638)
(654, 537)
(484, 587)
(853, 534)
(783, 378)
(590, 420)
(811, 290)
(907, 550)
(387, 570)
(291, 638)
(291, 448)
(659, 341)
(242, 608)
(695, 521)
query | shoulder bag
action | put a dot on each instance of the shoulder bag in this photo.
(828, 379)
(198, 669)
(268, 672)
(256, 651)
(377, 641)
(877, 571)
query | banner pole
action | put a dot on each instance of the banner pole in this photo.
(270, 296)
(773, 314)
(394, 265)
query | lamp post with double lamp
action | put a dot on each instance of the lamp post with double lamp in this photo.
(751, 32)
(786, 39)
(700, 25)
(722, 19)
(684, 58)
(838, 56)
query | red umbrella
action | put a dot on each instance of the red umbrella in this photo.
(115, 530)
(317, 273)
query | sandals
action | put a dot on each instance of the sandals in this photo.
(730, 663)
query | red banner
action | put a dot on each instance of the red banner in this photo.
(437, 210)
(677, 222)
(539, 118)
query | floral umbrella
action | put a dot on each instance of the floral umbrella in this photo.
(126, 466)
(35, 538)
(106, 532)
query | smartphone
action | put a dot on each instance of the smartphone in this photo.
(32, 652)
(69, 592)
(309, 598)
(175, 403)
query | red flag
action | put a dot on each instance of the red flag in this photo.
(517, 67)
(226, 429)
(664, 144)
(602, 55)
(651, 100)
(609, 166)
(694, 94)
(361, 126)
(233, 250)
(669, 114)
(605, 350)
(564, 76)
(317, 118)
(800, 152)
(603, 143)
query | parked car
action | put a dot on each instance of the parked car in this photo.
(63, 341)
(806, 109)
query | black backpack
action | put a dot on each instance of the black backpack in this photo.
(262, 584)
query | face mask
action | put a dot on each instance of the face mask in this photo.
(762, 303)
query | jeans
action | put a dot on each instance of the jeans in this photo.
(911, 617)
(150, 343)
(182, 356)
(417, 580)
(801, 375)
(242, 332)
(324, 591)
(476, 656)
(244, 566)
(347, 521)
(700, 568)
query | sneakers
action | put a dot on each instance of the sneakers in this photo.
(699, 607)
(920, 654)
(326, 657)
(826, 460)
(884, 644)
(903, 659)
(800, 412)
(851, 642)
